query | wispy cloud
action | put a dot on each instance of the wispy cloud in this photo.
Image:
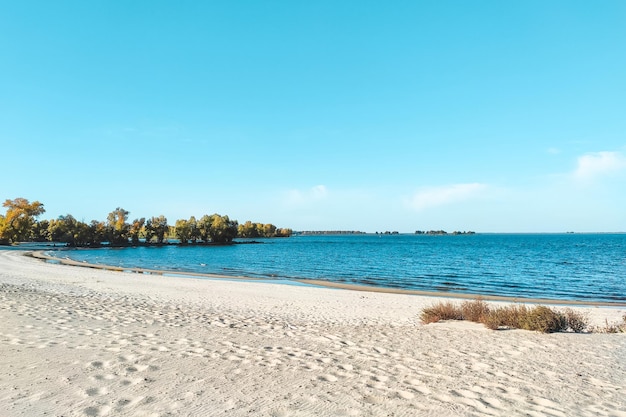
(444, 195)
(599, 164)
(553, 151)
(300, 197)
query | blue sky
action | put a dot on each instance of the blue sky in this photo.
(491, 116)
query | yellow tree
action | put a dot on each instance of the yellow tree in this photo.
(20, 217)
(118, 226)
(247, 229)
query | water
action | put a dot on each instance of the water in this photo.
(588, 267)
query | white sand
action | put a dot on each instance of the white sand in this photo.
(84, 342)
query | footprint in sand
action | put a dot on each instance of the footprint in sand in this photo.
(98, 364)
(97, 411)
(419, 387)
(328, 378)
(93, 392)
(348, 412)
(100, 377)
(380, 378)
(346, 367)
(281, 413)
(405, 395)
(374, 399)
(137, 368)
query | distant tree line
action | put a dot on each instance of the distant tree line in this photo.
(331, 232)
(20, 224)
(443, 232)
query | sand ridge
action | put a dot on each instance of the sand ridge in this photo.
(79, 342)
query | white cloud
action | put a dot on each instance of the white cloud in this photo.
(298, 197)
(594, 165)
(319, 191)
(439, 196)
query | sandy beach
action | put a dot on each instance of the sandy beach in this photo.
(88, 342)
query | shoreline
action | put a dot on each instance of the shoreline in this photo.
(90, 342)
(330, 284)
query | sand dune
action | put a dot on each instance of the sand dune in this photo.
(85, 342)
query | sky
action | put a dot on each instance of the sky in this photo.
(491, 116)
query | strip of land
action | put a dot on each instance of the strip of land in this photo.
(93, 342)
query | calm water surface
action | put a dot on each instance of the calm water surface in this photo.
(569, 266)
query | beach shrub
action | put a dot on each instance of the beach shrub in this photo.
(540, 318)
(511, 316)
(441, 311)
(475, 310)
(543, 319)
(492, 321)
(576, 322)
(515, 316)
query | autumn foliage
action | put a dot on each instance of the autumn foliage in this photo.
(20, 224)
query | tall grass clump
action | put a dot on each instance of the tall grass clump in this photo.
(475, 310)
(576, 322)
(508, 317)
(441, 311)
(543, 319)
(516, 316)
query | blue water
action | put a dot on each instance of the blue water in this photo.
(569, 266)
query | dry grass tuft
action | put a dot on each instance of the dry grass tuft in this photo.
(475, 310)
(577, 322)
(543, 319)
(510, 317)
(612, 327)
(441, 311)
(516, 316)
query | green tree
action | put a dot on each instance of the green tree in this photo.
(156, 227)
(269, 230)
(118, 226)
(182, 231)
(194, 233)
(40, 231)
(283, 232)
(135, 230)
(217, 229)
(66, 229)
(20, 217)
(204, 228)
(98, 233)
(248, 230)
(4, 240)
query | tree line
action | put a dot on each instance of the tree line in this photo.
(20, 224)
